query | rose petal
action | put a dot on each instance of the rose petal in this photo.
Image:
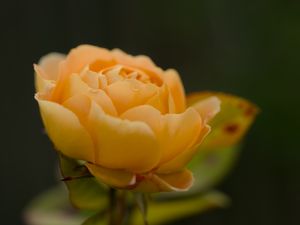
(179, 181)
(181, 160)
(160, 99)
(129, 93)
(65, 131)
(84, 55)
(75, 86)
(114, 178)
(141, 62)
(208, 108)
(172, 79)
(40, 81)
(122, 144)
(175, 132)
(91, 78)
(50, 65)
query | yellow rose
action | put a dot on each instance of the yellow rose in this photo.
(123, 116)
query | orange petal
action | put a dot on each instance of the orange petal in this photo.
(122, 144)
(141, 62)
(75, 86)
(172, 79)
(129, 93)
(179, 181)
(182, 159)
(42, 84)
(175, 132)
(114, 178)
(50, 65)
(84, 55)
(208, 108)
(91, 78)
(79, 104)
(160, 99)
(65, 131)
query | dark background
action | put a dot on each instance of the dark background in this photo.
(248, 48)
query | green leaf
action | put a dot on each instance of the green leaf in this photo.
(160, 212)
(97, 219)
(53, 208)
(230, 124)
(85, 191)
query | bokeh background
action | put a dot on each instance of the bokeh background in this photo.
(248, 48)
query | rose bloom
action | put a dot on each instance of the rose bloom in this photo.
(126, 118)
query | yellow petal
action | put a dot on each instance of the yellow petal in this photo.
(114, 178)
(41, 83)
(172, 79)
(160, 99)
(50, 65)
(122, 144)
(65, 131)
(141, 62)
(182, 159)
(75, 86)
(208, 108)
(129, 93)
(80, 105)
(179, 181)
(91, 78)
(230, 125)
(84, 55)
(175, 132)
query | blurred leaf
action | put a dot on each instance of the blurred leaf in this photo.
(53, 208)
(230, 124)
(210, 167)
(160, 212)
(217, 154)
(97, 219)
(84, 190)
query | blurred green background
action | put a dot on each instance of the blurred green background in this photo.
(248, 48)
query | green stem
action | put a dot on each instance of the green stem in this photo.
(112, 205)
(142, 204)
(117, 209)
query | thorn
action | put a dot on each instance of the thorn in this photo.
(75, 178)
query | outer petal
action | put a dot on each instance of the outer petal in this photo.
(175, 132)
(65, 131)
(179, 181)
(172, 79)
(114, 178)
(97, 59)
(83, 55)
(181, 160)
(41, 83)
(208, 108)
(122, 144)
(50, 65)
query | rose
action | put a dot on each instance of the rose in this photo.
(123, 116)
